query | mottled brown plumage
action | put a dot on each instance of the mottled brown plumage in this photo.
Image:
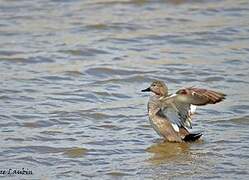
(170, 114)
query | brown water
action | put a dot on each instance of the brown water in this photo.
(71, 72)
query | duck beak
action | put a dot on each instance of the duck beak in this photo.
(146, 90)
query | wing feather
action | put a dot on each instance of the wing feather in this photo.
(198, 96)
(179, 107)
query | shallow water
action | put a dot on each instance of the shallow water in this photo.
(71, 72)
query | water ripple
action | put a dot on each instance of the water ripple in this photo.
(71, 83)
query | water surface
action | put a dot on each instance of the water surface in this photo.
(71, 72)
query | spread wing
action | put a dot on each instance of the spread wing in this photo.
(179, 107)
(197, 96)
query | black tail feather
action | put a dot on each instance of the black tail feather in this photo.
(192, 137)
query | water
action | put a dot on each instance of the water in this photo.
(71, 72)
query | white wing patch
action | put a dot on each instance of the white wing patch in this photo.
(173, 95)
(192, 110)
(175, 127)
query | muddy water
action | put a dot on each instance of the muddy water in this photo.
(71, 74)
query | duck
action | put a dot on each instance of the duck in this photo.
(170, 115)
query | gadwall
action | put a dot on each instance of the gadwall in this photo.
(170, 114)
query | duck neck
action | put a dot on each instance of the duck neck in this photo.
(154, 105)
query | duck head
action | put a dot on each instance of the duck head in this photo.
(157, 87)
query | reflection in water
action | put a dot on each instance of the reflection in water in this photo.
(164, 152)
(75, 152)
